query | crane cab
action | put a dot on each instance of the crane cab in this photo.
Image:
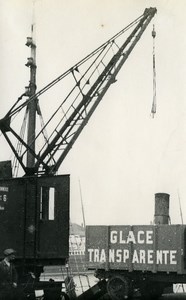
(34, 214)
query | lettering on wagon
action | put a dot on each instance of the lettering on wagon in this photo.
(140, 256)
(123, 254)
(3, 197)
(141, 237)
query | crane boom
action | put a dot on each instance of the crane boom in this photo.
(84, 97)
(98, 90)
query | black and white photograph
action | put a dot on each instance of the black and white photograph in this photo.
(92, 149)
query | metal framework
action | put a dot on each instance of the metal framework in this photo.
(90, 79)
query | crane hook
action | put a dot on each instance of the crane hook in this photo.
(153, 32)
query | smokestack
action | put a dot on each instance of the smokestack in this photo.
(161, 215)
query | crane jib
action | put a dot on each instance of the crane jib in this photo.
(87, 92)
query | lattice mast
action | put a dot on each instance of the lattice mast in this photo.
(90, 79)
(32, 105)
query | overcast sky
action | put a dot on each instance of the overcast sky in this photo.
(123, 156)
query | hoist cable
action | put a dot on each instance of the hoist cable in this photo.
(153, 110)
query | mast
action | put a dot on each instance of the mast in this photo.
(32, 105)
(90, 79)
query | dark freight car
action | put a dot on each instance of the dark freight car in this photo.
(140, 258)
(147, 258)
(34, 214)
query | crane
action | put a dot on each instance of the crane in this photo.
(91, 78)
(25, 202)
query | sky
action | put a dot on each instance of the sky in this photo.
(123, 156)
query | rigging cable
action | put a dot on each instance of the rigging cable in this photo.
(14, 109)
(153, 110)
(82, 206)
(181, 214)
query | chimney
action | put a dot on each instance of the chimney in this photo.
(161, 215)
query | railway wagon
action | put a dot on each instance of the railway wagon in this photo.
(144, 258)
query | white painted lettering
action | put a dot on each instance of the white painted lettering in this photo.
(90, 252)
(173, 257)
(131, 238)
(113, 237)
(103, 256)
(96, 255)
(165, 252)
(125, 255)
(139, 238)
(142, 257)
(3, 188)
(111, 255)
(118, 255)
(149, 239)
(159, 257)
(135, 258)
(121, 240)
(150, 256)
